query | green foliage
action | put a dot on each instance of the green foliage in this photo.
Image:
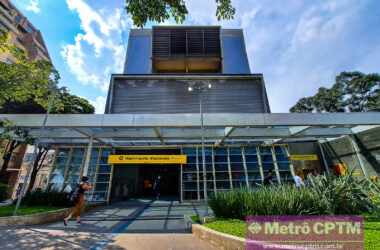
(195, 219)
(162, 10)
(345, 194)
(267, 200)
(229, 226)
(371, 234)
(71, 104)
(352, 92)
(3, 191)
(12, 132)
(8, 210)
(31, 86)
(325, 195)
(45, 198)
(24, 79)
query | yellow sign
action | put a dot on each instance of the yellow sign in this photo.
(147, 159)
(304, 157)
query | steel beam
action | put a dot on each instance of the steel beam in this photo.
(158, 135)
(358, 155)
(221, 120)
(227, 133)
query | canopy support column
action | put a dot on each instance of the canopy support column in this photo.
(88, 156)
(357, 152)
(274, 158)
(323, 157)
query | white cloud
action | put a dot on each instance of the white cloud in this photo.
(99, 103)
(98, 51)
(33, 6)
(297, 45)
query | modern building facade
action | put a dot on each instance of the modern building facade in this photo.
(23, 34)
(161, 64)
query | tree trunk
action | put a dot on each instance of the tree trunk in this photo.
(7, 158)
(37, 165)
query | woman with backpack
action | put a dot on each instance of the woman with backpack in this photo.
(77, 197)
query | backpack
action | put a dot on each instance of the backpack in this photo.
(74, 195)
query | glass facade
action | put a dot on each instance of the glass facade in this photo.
(232, 167)
(226, 168)
(68, 167)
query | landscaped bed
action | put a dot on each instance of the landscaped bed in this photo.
(25, 210)
(324, 195)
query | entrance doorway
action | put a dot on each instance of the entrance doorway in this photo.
(169, 180)
(137, 180)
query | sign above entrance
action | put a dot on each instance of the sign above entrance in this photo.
(147, 159)
(304, 157)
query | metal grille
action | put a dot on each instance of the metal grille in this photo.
(186, 41)
(172, 96)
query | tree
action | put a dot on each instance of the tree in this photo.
(30, 87)
(362, 92)
(162, 10)
(37, 164)
(24, 80)
(13, 136)
(71, 104)
(352, 92)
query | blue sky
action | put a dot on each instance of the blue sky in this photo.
(297, 45)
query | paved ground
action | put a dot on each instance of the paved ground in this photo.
(135, 224)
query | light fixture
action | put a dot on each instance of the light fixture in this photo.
(209, 85)
(190, 88)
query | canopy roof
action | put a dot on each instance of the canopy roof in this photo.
(121, 130)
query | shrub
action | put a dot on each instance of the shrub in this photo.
(346, 194)
(46, 198)
(324, 195)
(3, 191)
(271, 200)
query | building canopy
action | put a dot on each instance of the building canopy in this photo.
(119, 130)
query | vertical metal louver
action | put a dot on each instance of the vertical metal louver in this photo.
(186, 41)
(161, 43)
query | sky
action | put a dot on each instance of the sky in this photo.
(299, 45)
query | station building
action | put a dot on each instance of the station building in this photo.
(176, 79)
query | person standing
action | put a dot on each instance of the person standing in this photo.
(268, 180)
(78, 200)
(157, 187)
(125, 191)
(298, 180)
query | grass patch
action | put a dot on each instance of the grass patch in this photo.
(371, 235)
(24, 210)
(195, 219)
(238, 228)
(229, 226)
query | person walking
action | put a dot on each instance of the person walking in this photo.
(78, 200)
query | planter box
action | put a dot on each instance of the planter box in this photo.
(34, 219)
(41, 218)
(217, 239)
